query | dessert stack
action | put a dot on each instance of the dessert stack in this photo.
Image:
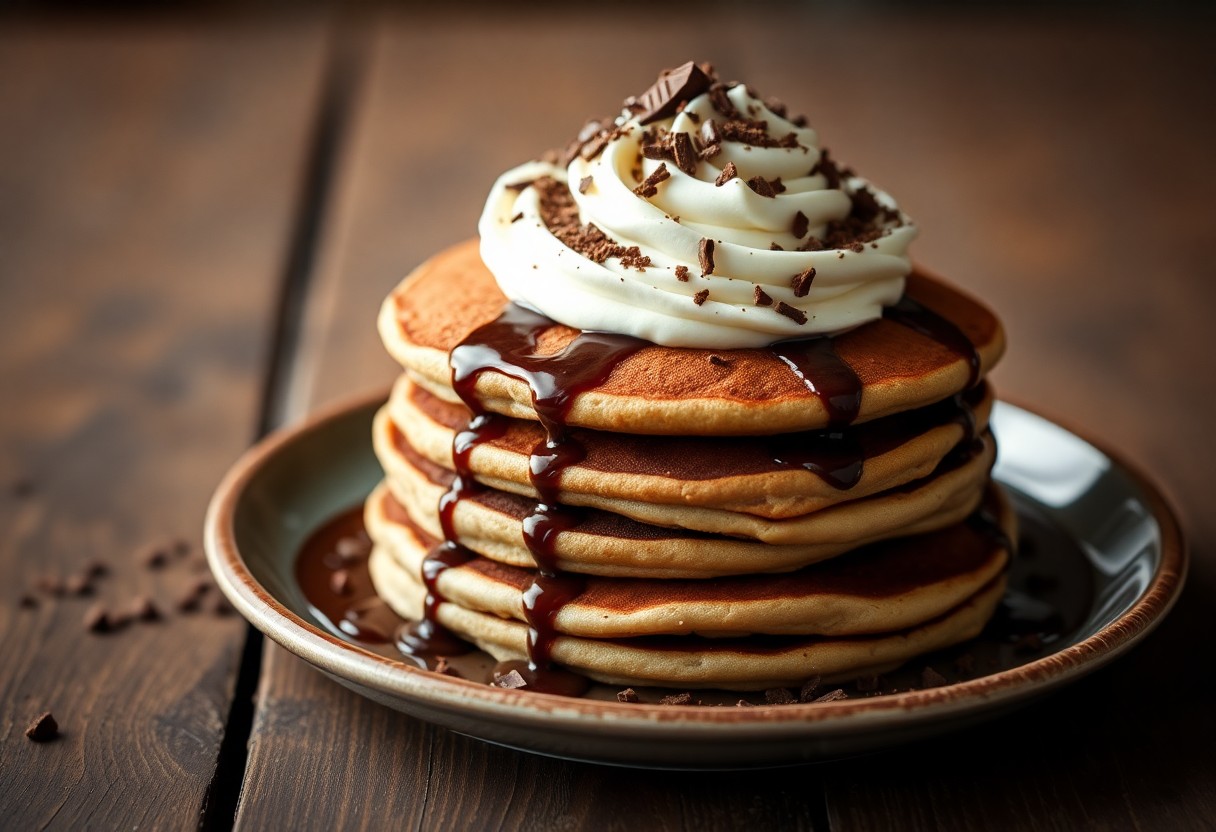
(686, 416)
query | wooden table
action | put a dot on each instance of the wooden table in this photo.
(198, 218)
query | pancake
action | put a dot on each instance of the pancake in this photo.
(763, 476)
(681, 391)
(745, 663)
(944, 497)
(880, 588)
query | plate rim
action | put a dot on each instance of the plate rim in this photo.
(801, 721)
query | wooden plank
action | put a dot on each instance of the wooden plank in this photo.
(1015, 203)
(149, 174)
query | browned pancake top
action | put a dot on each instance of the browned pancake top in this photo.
(453, 294)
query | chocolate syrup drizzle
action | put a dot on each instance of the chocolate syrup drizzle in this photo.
(510, 345)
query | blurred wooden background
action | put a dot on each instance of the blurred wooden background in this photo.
(200, 212)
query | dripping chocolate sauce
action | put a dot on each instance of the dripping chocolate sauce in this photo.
(510, 345)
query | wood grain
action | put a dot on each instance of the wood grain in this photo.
(148, 175)
(1038, 156)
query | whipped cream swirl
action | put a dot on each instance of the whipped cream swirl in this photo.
(789, 246)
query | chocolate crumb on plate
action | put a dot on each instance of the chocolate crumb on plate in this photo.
(833, 696)
(96, 568)
(801, 282)
(627, 695)
(155, 557)
(792, 312)
(705, 256)
(728, 173)
(807, 693)
(511, 681)
(779, 696)
(700, 297)
(930, 678)
(677, 699)
(682, 274)
(43, 729)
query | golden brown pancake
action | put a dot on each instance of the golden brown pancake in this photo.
(680, 391)
(879, 588)
(744, 663)
(942, 498)
(739, 474)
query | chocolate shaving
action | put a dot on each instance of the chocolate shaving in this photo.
(673, 88)
(930, 678)
(775, 247)
(684, 154)
(43, 729)
(830, 171)
(833, 696)
(511, 681)
(792, 312)
(761, 297)
(627, 695)
(649, 186)
(765, 187)
(705, 256)
(682, 274)
(776, 106)
(560, 214)
(700, 297)
(584, 184)
(779, 696)
(801, 282)
(728, 173)
(718, 97)
(800, 225)
(807, 693)
(755, 134)
(711, 139)
(677, 699)
(519, 216)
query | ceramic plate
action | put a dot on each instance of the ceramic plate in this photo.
(1106, 551)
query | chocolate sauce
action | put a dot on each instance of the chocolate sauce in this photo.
(815, 362)
(923, 320)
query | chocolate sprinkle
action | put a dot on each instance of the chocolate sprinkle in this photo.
(800, 226)
(728, 173)
(930, 678)
(677, 699)
(560, 214)
(807, 693)
(43, 729)
(673, 87)
(705, 256)
(700, 297)
(755, 134)
(649, 186)
(584, 184)
(801, 282)
(517, 217)
(761, 298)
(792, 312)
(833, 696)
(627, 695)
(682, 274)
(511, 681)
(779, 696)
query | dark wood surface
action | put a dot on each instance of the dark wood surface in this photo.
(161, 183)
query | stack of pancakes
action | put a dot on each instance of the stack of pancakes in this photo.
(729, 535)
